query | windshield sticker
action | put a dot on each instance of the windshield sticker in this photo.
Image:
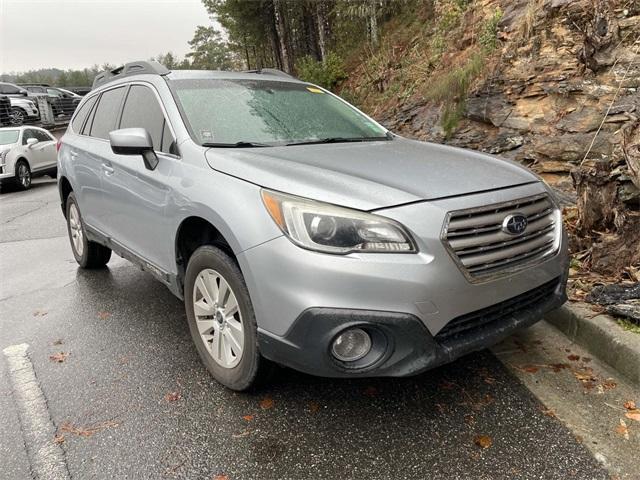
(314, 90)
(206, 134)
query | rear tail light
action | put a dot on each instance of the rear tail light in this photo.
(58, 145)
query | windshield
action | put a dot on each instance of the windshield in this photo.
(8, 136)
(265, 113)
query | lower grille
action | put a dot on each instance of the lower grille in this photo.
(477, 239)
(465, 324)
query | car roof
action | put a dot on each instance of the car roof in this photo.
(227, 75)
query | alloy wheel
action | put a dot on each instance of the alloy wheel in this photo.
(24, 175)
(218, 318)
(75, 228)
(16, 117)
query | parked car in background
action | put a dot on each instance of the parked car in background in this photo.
(26, 152)
(23, 110)
(298, 230)
(5, 110)
(23, 105)
(63, 102)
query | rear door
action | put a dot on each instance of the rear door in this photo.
(135, 198)
(45, 148)
(91, 154)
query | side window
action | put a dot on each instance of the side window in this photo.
(104, 120)
(27, 134)
(142, 110)
(9, 89)
(42, 136)
(82, 114)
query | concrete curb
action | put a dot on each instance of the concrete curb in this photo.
(601, 336)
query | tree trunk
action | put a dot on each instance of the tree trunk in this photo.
(310, 31)
(322, 24)
(373, 23)
(283, 34)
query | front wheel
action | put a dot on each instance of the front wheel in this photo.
(221, 319)
(23, 175)
(16, 116)
(88, 254)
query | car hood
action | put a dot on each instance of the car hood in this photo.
(370, 175)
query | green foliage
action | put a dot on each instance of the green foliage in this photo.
(209, 51)
(326, 73)
(629, 325)
(452, 88)
(488, 37)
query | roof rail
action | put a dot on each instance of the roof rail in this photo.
(271, 71)
(131, 68)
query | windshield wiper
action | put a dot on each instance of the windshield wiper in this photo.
(241, 144)
(339, 140)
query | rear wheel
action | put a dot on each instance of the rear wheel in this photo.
(88, 254)
(221, 319)
(23, 175)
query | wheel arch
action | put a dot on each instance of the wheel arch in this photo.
(65, 189)
(193, 232)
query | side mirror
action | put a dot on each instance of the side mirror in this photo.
(134, 141)
(31, 142)
(24, 93)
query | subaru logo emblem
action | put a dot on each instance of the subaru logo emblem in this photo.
(514, 224)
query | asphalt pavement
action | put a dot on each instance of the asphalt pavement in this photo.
(130, 398)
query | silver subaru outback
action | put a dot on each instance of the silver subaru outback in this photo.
(300, 232)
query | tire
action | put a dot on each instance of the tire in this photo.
(17, 116)
(23, 175)
(237, 369)
(88, 254)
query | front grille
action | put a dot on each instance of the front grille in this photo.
(479, 245)
(466, 323)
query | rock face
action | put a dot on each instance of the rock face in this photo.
(567, 69)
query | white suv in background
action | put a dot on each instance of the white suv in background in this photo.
(26, 152)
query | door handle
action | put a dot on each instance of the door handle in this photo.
(108, 169)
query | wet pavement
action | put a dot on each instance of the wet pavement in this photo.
(131, 399)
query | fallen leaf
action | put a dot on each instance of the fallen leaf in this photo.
(103, 315)
(622, 429)
(529, 368)
(58, 342)
(370, 391)
(58, 357)
(266, 403)
(248, 418)
(630, 405)
(220, 476)
(548, 412)
(574, 358)
(39, 313)
(172, 396)
(89, 430)
(314, 407)
(609, 384)
(633, 416)
(58, 439)
(556, 367)
(483, 441)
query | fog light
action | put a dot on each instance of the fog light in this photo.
(351, 345)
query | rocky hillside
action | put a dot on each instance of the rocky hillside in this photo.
(554, 84)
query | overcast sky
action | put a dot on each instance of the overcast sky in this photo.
(80, 33)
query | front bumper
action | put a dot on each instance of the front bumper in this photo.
(402, 346)
(303, 298)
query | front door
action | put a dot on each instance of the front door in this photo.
(135, 198)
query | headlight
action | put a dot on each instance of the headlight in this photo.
(330, 229)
